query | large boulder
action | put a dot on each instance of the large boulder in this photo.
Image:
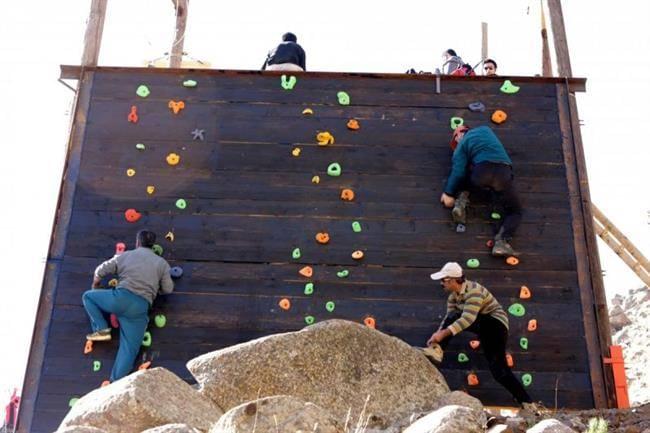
(448, 419)
(143, 400)
(277, 414)
(339, 365)
(172, 428)
(550, 426)
(80, 429)
(460, 398)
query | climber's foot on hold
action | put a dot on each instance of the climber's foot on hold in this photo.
(502, 248)
(101, 335)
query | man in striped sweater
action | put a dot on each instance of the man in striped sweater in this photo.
(472, 307)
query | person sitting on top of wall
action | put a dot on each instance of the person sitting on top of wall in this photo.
(288, 56)
(490, 68)
(452, 61)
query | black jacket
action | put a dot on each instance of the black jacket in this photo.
(286, 52)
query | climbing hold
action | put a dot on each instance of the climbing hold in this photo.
(347, 194)
(97, 365)
(288, 83)
(295, 151)
(115, 324)
(176, 106)
(105, 383)
(330, 306)
(463, 357)
(157, 249)
(356, 226)
(532, 325)
(197, 134)
(146, 340)
(130, 172)
(140, 146)
(343, 97)
(173, 159)
(73, 401)
(284, 303)
(508, 87)
(473, 263)
(181, 203)
(472, 379)
(296, 253)
(517, 310)
(369, 321)
(322, 238)
(353, 125)
(309, 320)
(357, 255)
(113, 283)
(144, 365)
(315, 179)
(455, 122)
(510, 360)
(176, 272)
(490, 243)
(334, 169)
(476, 107)
(189, 83)
(523, 342)
(324, 138)
(307, 111)
(88, 347)
(499, 117)
(343, 274)
(160, 320)
(512, 261)
(460, 228)
(132, 215)
(309, 288)
(495, 215)
(526, 379)
(120, 247)
(170, 236)
(307, 271)
(474, 344)
(150, 189)
(142, 91)
(133, 114)
(524, 293)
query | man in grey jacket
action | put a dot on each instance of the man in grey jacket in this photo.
(141, 276)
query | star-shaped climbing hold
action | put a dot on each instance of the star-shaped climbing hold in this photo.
(197, 134)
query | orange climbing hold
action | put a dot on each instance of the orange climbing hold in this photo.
(357, 255)
(144, 366)
(105, 383)
(322, 238)
(472, 379)
(499, 116)
(133, 115)
(307, 271)
(176, 106)
(284, 303)
(369, 322)
(474, 344)
(524, 293)
(347, 194)
(509, 360)
(512, 261)
(173, 159)
(353, 124)
(88, 347)
(532, 325)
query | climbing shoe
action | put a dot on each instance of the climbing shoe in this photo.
(101, 335)
(459, 212)
(503, 248)
(434, 353)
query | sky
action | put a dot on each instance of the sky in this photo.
(606, 41)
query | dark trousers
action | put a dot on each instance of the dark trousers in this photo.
(493, 336)
(498, 178)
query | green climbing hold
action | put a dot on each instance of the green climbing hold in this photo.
(142, 91)
(309, 288)
(73, 401)
(160, 320)
(146, 340)
(140, 146)
(309, 320)
(334, 169)
(508, 87)
(455, 122)
(523, 342)
(181, 203)
(527, 379)
(157, 249)
(330, 306)
(343, 274)
(356, 227)
(462, 357)
(97, 365)
(517, 310)
(288, 84)
(495, 215)
(296, 253)
(189, 83)
(473, 263)
(344, 98)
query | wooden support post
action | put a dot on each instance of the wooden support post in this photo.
(484, 41)
(559, 39)
(93, 36)
(176, 55)
(547, 69)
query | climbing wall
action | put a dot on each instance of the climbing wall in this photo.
(287, 201)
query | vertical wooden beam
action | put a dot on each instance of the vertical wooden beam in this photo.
(179, 37)
(547, 69)
(94, 30)
(484, 41)
(559, 39)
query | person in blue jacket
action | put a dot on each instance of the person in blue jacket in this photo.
(480, 160)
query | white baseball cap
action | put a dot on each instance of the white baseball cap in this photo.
(450, 270)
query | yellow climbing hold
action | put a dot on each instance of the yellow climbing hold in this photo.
(307, 111)
(295, 151)
(130, 172)
(150, 189)
(170, 236)
(324, 138)
(315, 179)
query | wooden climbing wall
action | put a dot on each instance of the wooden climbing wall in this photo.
(251, 201)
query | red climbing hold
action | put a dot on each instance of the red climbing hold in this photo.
(114, 322)
(133, 115)
(120, 247)
(369, 322)
(88, 347)
(474, 344)
(132, 215)
(472, 379)
(509, 360)
(144, 365)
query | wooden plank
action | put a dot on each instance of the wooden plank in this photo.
(559, 39)
(93, 35)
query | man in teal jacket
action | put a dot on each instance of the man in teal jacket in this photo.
(480, 160)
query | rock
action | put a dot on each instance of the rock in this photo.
(500, 428)
(550, 426)
(143, 400)
(448, 419)
(460, 398)
(172, 428)
(277, 414)
(618, 319)
(80, 429)
(338, 365)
